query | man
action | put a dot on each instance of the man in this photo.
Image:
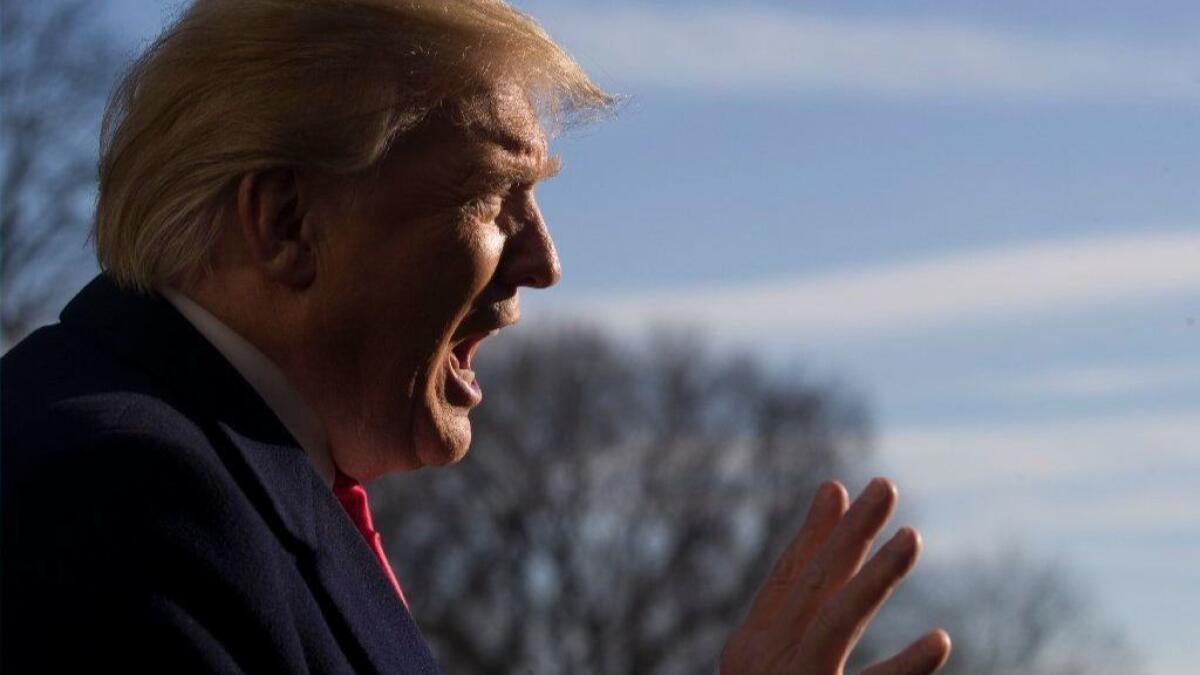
(311, 213)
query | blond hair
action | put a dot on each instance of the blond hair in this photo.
(240, 86)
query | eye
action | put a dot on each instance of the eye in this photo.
(486, 208)
(495, 206)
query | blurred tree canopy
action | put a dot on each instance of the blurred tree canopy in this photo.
(1008, 614)
(56, 68)
(621, 505)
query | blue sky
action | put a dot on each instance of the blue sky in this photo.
(982, 215)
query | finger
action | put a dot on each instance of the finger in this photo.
(840, 622)
(843, 553)
(923, 657)
(826, 509)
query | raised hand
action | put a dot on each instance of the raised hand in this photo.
(819, 597)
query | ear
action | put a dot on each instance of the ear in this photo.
(273, 220)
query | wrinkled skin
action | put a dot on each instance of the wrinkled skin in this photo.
(430, 261)
(372, 292)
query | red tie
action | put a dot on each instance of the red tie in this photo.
(353, 497)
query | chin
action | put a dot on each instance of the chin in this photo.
(444, 441)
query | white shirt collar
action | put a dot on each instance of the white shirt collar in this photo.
(265, 377)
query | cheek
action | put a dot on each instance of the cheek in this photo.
(477, 256)
(454, 274)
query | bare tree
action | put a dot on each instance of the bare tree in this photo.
(56, 68)
(1009, 614)
(620, 507)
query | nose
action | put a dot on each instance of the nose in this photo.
(530, 258)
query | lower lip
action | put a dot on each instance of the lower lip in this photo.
(461, 390)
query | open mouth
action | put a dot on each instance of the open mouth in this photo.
(463, 387)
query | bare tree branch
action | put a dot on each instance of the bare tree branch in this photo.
(55, 72)
(621, 505)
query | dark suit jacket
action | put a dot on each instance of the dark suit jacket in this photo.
(158, 517)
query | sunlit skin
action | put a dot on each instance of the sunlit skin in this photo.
(822, 593)
(374, 311)
(434, 265)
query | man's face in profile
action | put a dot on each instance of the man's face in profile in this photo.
(423, 267)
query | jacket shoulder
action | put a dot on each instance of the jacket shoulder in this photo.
(121, 515)
(60, 393)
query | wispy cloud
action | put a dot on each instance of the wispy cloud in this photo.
(1069, 482)
(761, 49)
(908, 297)
(1112, 494)
(1098, 381)
(968, 458)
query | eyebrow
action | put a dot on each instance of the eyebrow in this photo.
(503, 172)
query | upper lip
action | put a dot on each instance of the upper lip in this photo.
(464, 347)
(486, 320)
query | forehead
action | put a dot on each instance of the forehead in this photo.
(498, 139)
(503, 117)
(497, 133)
(491, 140)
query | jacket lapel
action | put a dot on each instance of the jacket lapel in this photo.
(349, 570)
(340, 566)
(146, 330)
